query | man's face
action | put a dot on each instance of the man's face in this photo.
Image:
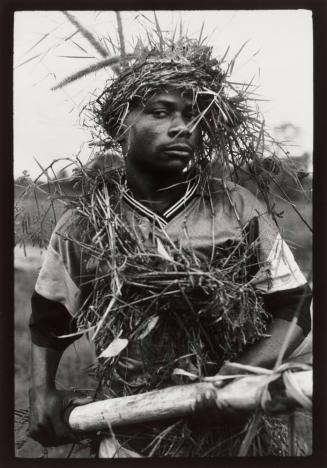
(158, 138)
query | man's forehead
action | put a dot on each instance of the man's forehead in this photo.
(171, 97)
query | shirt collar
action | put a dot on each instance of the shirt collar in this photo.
(163, 219)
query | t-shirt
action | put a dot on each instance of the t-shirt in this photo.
(203, 218)
(208, 217)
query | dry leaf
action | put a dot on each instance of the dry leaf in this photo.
(115, 347)
(185, 373)
(149, 326)
(162, 251)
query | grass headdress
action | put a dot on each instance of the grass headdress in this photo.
(223, 109)
(234, 136)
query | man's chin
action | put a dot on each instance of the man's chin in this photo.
(173, 168)
(174, 165)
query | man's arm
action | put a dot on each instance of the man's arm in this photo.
(283, 289)
(264, 352)
(47, 403)
(55, 303)
(281, 305)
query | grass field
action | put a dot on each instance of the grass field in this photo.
(72, 372)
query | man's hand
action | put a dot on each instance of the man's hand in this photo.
(227, 369)
(207, 409)
(47, 410)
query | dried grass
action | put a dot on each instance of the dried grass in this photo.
(163, 309)
(175, 308)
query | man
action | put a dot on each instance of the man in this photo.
(170, 202)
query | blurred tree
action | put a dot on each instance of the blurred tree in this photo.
(62, 174)
(24, 180)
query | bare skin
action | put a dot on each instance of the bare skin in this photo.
(264, 354)
(47, 403)
(158, 146)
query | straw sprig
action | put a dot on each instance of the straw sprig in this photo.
(106, 62)
(87, 34)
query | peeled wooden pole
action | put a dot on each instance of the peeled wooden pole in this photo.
(176, 401)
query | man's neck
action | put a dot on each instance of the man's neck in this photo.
(156, 191)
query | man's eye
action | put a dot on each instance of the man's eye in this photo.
(190, 116)
(160, 113)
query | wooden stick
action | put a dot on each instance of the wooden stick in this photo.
(240, 395)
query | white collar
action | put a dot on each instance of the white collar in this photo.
(163, 219)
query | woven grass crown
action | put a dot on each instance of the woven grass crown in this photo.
(185, 66)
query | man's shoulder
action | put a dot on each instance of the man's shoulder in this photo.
(232, 190)
(67, 218)
(238, 198)
(70, 225)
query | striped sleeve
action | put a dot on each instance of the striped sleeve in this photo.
(283, 286)
(55, 281)
(279, 271)
(279, 280)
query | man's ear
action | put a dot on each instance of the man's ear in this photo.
(122, 137)
(122, 134)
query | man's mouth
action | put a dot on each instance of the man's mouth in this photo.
(178, 150)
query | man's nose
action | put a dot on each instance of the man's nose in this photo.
(179, 128)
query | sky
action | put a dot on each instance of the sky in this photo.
(278, 55)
